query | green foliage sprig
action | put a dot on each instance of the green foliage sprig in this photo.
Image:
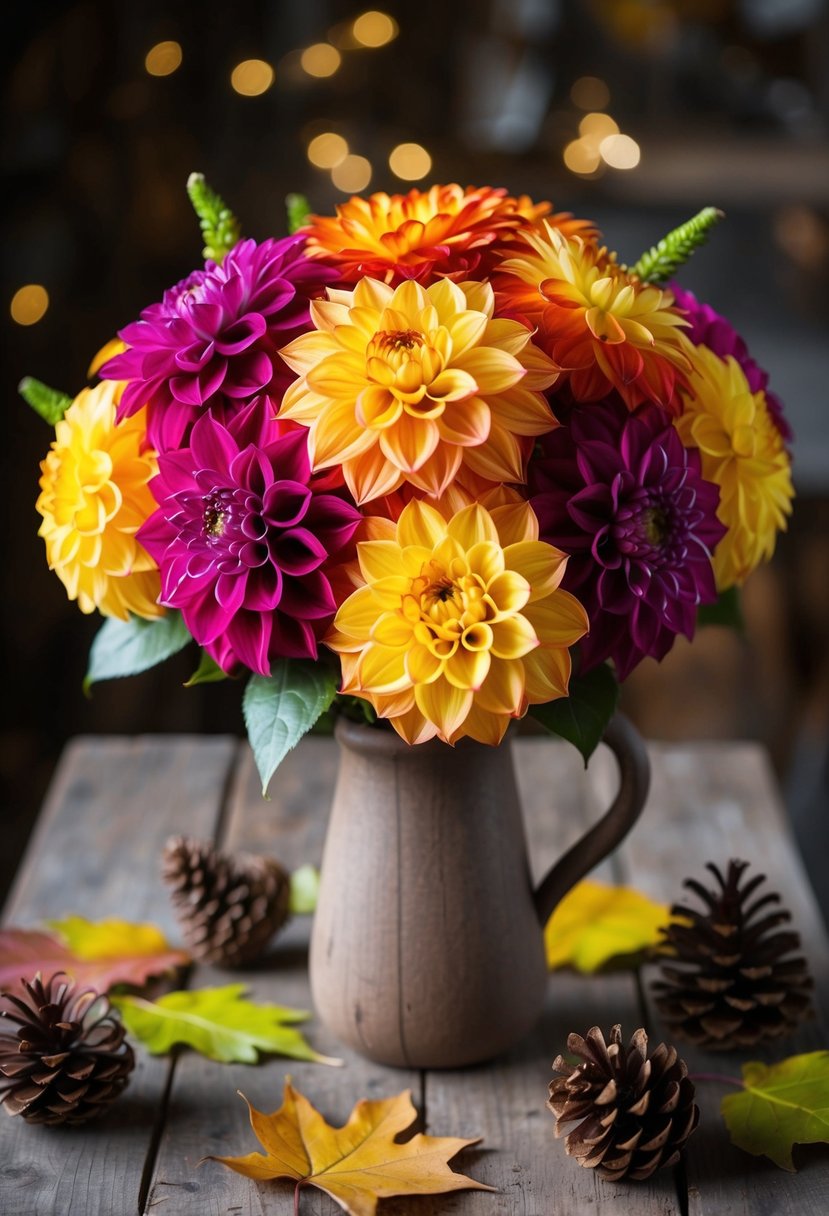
(220, 227)
(663, 260)
(299, 211)
(50, 403)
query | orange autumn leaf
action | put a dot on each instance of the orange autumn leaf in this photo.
(356, 1164)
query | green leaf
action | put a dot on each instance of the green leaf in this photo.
(582, 717)
(207, 672)
(220, 227)
(663, 260)
(305, 885)
(726, 611)
(781, 1105)
(50, 403)
(219, 1023)
(125, 648)
(279, 709)
(299, 209)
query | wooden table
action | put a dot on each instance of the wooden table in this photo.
(95, 852)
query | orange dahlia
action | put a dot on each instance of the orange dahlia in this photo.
(742, 451)
(413, 384)
(601, 325)
(445, 231)
(460, 624)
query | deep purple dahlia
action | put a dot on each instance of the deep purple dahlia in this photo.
(242, 537)
(625, 498)
(213, 341)
(708, 328)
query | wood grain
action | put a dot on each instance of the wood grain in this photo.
(111, 806)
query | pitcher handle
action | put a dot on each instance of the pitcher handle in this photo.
(625, 742)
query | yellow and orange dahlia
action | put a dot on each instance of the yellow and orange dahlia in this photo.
(445, 231)
(602, 326)
(412, 385)
(94, 498)
(461, 624)
(742, 451)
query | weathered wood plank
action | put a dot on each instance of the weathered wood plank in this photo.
(205, 1116)
(505, 1103)
(712, 802)
(111, 806)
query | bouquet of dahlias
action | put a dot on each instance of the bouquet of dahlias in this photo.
(410, 463)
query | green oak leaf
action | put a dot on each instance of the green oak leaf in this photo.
(282, 707)
(305, 885)
(125, 648)
(220, 1023)
(582, 717)
(780, 1105)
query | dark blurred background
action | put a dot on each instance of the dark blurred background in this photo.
(109, 107)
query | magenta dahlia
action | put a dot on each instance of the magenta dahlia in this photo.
(213, 341)
(708, 328)
(242, 537)
(625, 498)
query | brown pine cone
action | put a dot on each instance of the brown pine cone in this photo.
(229, 907)
(635, 1111)
(731, 980)
(63, 1056)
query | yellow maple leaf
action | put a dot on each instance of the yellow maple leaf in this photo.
(356, 1164)
(595, 922)
(111, 938)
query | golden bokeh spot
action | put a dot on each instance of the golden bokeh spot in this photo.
(163, 59)
(581, 156)
(620, 151)
(373, 29)
(597, 126)
(327, 150)
(252, 77)
(29, 304)
(320, 60)
(589, 93)
(352, 174)
(410, 162)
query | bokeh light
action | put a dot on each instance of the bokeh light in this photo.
(252, 77)
(597, 126)
(590, 93)
(620, 151)
(374, 29)
(582, 156)
(320, 60)
(163, 58)
(410, 162)
(352, 174)
(327, 150)
(29, 304)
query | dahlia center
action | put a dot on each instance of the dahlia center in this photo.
(656, 525)
(215, 519)
(449, 611)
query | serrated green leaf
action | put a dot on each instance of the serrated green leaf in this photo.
(125, 648)
(299, 209)
(781, 1105)
(305, 885)
(582, 717)
(220, 228)
(279, 709)
(726, 611)
(220, 1023)
(663, 259)
(207, 672)
(50, 403)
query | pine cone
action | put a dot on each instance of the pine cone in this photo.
(636, 1110)
(228, 907)
(733, 982)
(63, 1057)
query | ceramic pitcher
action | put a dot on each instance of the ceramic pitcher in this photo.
(427, 948)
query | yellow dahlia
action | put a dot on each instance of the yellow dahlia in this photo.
(423, 235)
(600, 324)
(94, 498)
(742, 451)
(409, 384)
(461, 624)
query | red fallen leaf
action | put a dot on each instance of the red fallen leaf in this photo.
(142, 952)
